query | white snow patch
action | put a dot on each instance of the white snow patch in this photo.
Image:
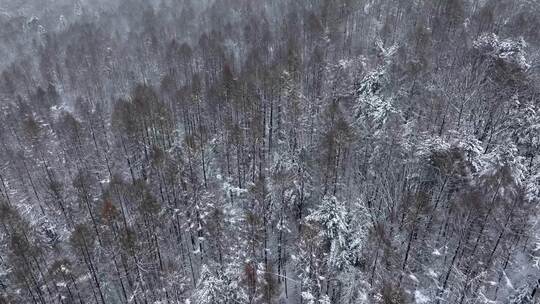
(230, 189)
(485, 299)
(345, 63)
(414, 278)
(420, 298)
(307, 295)
(508, 282)
(84, 278)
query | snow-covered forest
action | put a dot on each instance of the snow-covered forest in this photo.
(270, 151)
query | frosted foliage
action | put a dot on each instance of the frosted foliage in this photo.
(508, 50)
(216, 289)
(310, 299)
(371, 105)
(344, 231)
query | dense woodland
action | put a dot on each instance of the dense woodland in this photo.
(279, 151)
